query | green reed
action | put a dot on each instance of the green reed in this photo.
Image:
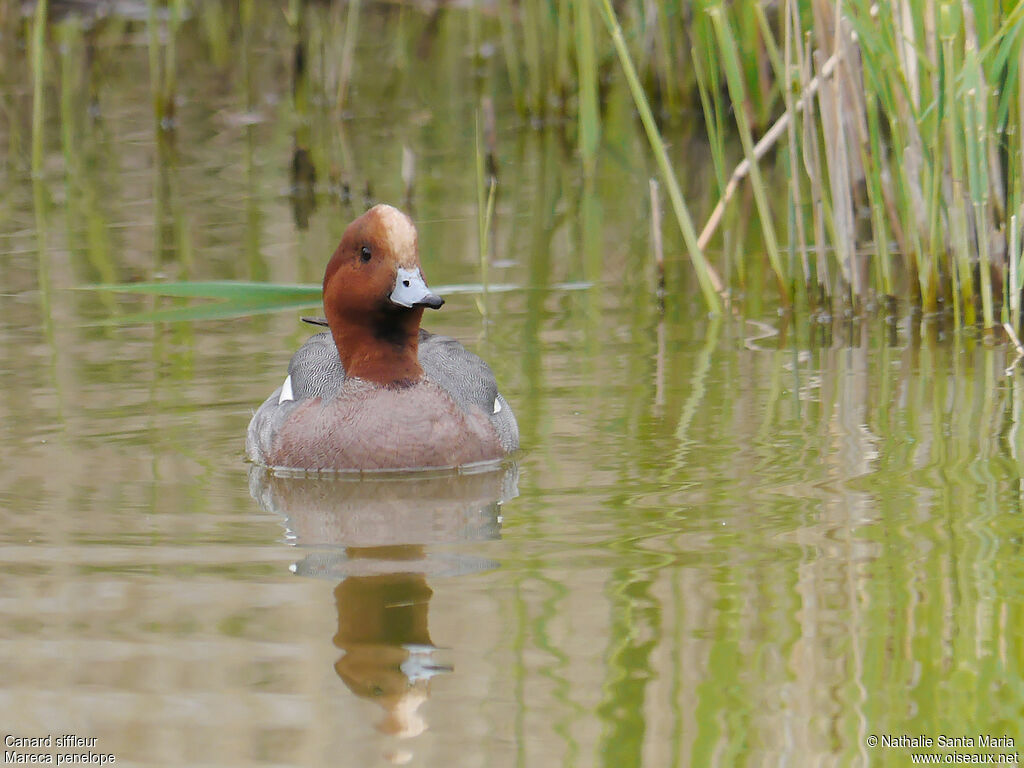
(589, 135)
(38, 75)
(348, 52)
(709, 282)
(734, 79)
(895, 122)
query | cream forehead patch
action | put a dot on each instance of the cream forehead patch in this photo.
(398, 230)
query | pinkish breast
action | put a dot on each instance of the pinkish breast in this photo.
(371, 427)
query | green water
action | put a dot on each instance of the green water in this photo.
(735, 541)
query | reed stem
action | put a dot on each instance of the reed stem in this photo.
(710, 284)
(38, 74)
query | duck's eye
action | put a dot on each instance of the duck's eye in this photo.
(364, 253)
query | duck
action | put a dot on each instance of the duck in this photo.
(375, 391)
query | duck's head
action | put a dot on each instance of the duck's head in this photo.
(374, 297)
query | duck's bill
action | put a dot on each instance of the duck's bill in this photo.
(411, 290)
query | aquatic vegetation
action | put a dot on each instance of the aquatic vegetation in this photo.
(880, 143)
(897, 123)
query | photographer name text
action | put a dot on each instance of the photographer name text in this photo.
(982, 741)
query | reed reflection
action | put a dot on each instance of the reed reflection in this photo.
(381, 538)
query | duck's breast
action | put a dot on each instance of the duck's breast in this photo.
(369, 427)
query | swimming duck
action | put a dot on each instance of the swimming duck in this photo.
(376, 391)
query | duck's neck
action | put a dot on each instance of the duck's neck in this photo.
(384, 349)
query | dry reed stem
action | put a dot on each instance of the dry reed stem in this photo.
(812, 163)
(906, 50)
(1014, 285)
(838, 164)
(761, 149)
(1017, 345)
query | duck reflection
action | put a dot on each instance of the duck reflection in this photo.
(388, 655)
(375, 535)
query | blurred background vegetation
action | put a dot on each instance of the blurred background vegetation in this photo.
(876, 146)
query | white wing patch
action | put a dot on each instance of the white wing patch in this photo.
(497, 405)
(286, 391)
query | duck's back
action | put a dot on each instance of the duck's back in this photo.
(321, 419)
